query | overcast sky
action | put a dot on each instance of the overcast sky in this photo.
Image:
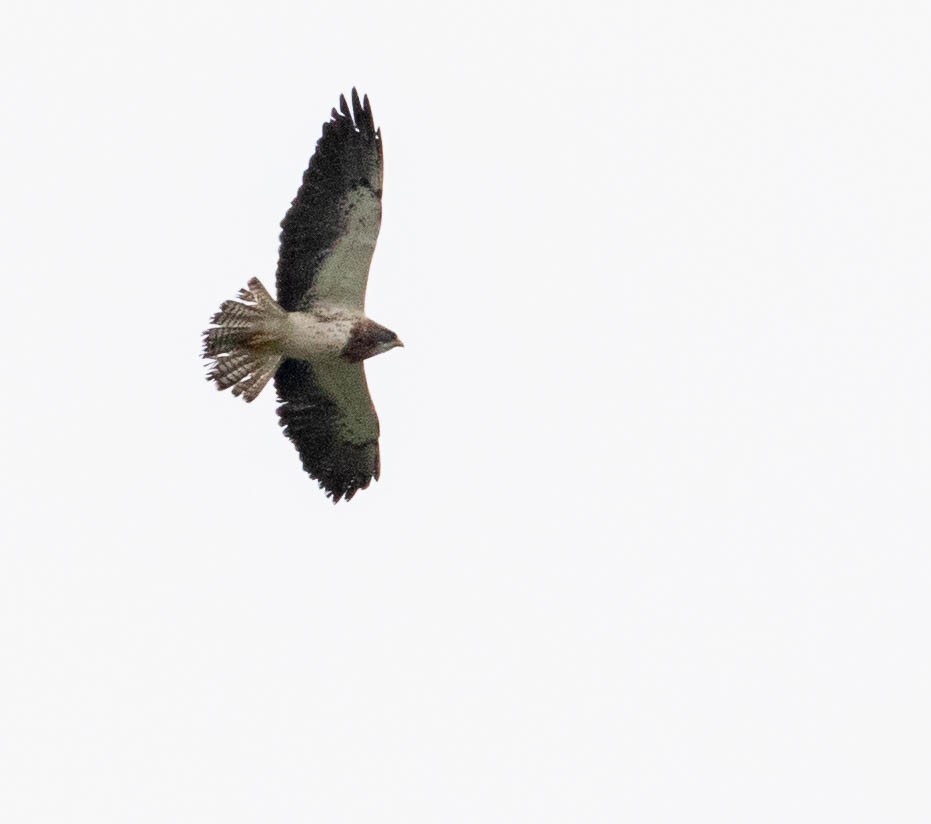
(651, 542)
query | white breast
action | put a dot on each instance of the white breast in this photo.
(320, 333)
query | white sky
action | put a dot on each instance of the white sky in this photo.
(651, 542)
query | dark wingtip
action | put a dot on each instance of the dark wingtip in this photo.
(344, 490)
(362, 113)
(338, 493)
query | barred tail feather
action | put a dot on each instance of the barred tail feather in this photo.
(242, 343)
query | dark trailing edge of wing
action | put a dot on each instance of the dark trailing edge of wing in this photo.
(310, 419)
(348, 154)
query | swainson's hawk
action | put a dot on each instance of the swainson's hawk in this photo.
(314, 339)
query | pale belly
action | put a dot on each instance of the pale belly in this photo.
(316, 336)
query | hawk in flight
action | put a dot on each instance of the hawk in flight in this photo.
(314, 338)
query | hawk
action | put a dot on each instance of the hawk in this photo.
(314, 339)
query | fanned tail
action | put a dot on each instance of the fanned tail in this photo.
(242, 343)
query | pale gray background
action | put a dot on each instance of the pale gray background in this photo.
(652, 538)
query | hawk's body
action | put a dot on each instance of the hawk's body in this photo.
(314, 338)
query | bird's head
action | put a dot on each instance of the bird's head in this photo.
(367, 339)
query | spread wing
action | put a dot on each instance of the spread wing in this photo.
(328, 415)
(329, 233)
